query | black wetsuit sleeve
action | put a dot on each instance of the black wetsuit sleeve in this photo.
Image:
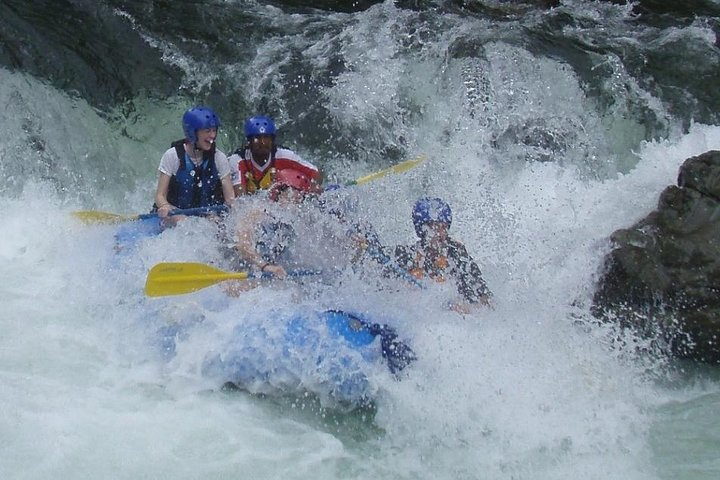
(404, 257)
(467, 274)
(396, 261)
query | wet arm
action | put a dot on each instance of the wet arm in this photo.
(470, 282)
(228, 190)
(161, 202)
(245, 245)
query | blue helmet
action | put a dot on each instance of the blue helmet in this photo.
(259, 125)
(198, 118)
(428, 210)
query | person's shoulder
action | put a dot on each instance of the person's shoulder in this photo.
(283, 150)
(453, 242)
(172, 151)
(223, 164)
(285, 158)
(170, 156)
(457, 247)
(170, 162)
(286, 153)
(237, 154)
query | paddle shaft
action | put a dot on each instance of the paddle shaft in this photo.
(94, 216)
(399, 168)
(191, 212)
(177, 278)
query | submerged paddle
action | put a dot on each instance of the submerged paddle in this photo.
(91, 217)
(399, 168)
(177, 278)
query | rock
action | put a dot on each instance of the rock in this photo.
(662, 278)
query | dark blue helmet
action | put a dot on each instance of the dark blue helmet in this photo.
(428, 210)
(198, 118)
(259, 125)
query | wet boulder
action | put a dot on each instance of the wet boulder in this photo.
(662, 278)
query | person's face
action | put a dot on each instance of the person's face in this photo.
(436, 233)
(261, 145)
(205, 138)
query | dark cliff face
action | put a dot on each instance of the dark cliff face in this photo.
(110, 51)
(81, 48)
(662, 277)
(90, 48)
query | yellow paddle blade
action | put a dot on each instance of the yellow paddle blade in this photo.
(90, 217)
(399, 168)
(177, 278)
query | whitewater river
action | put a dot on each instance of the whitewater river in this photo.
(540, 160)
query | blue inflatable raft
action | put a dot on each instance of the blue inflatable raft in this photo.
(331, 354)
(147, 225)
